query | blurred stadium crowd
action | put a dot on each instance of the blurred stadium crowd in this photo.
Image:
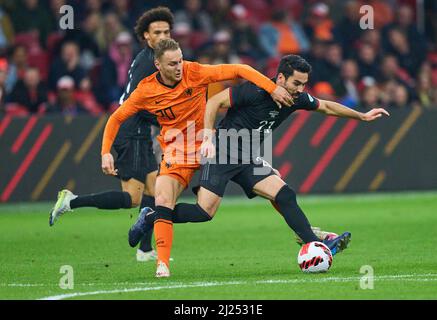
(44, 69)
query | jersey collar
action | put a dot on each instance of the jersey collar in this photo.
(159, 78)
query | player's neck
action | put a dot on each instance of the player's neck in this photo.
(165, 81)
(149, 45)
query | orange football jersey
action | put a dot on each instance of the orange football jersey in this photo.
(180, 109)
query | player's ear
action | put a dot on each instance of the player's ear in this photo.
(280, 78)
(146, 36)
(156, 64)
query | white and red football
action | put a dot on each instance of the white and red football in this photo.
(314, 257)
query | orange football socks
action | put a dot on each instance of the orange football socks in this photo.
(163, 229)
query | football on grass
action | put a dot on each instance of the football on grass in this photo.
(314, 257)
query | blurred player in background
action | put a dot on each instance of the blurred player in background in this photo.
(135, 163)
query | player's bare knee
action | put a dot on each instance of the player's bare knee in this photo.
(135, 190)
(136, 198)
(209, 208)
(149, 186)
(208, 201)
(148, 192)
(163, 200)
(209, 204)
(269, 187)
(150, 183)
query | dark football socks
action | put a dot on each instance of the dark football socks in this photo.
(287, 205)
(184, 213)
(146, 241)
(103, 200)
(147, 201)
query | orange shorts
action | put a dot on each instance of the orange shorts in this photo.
(180, 172)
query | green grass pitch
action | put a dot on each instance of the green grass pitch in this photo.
(246, 252)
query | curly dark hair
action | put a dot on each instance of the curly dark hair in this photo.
(150, 16)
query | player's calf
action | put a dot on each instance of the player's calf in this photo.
(293, 214)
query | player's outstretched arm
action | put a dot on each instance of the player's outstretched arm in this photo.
(222, 72)
(220, 100)
(131, 106)
(279, 94)
(332, 108)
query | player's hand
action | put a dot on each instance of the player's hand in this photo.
(375, 114)
(207, 149)
(108, 164)
(282, 97)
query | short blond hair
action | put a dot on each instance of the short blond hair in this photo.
(165, 45)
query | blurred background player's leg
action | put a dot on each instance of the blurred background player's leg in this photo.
(67, 201)
(145, 251)
(131, 196)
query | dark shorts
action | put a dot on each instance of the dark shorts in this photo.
(135, 158)
(215, 177)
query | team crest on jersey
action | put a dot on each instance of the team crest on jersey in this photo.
(189, 91)
(273, 114)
